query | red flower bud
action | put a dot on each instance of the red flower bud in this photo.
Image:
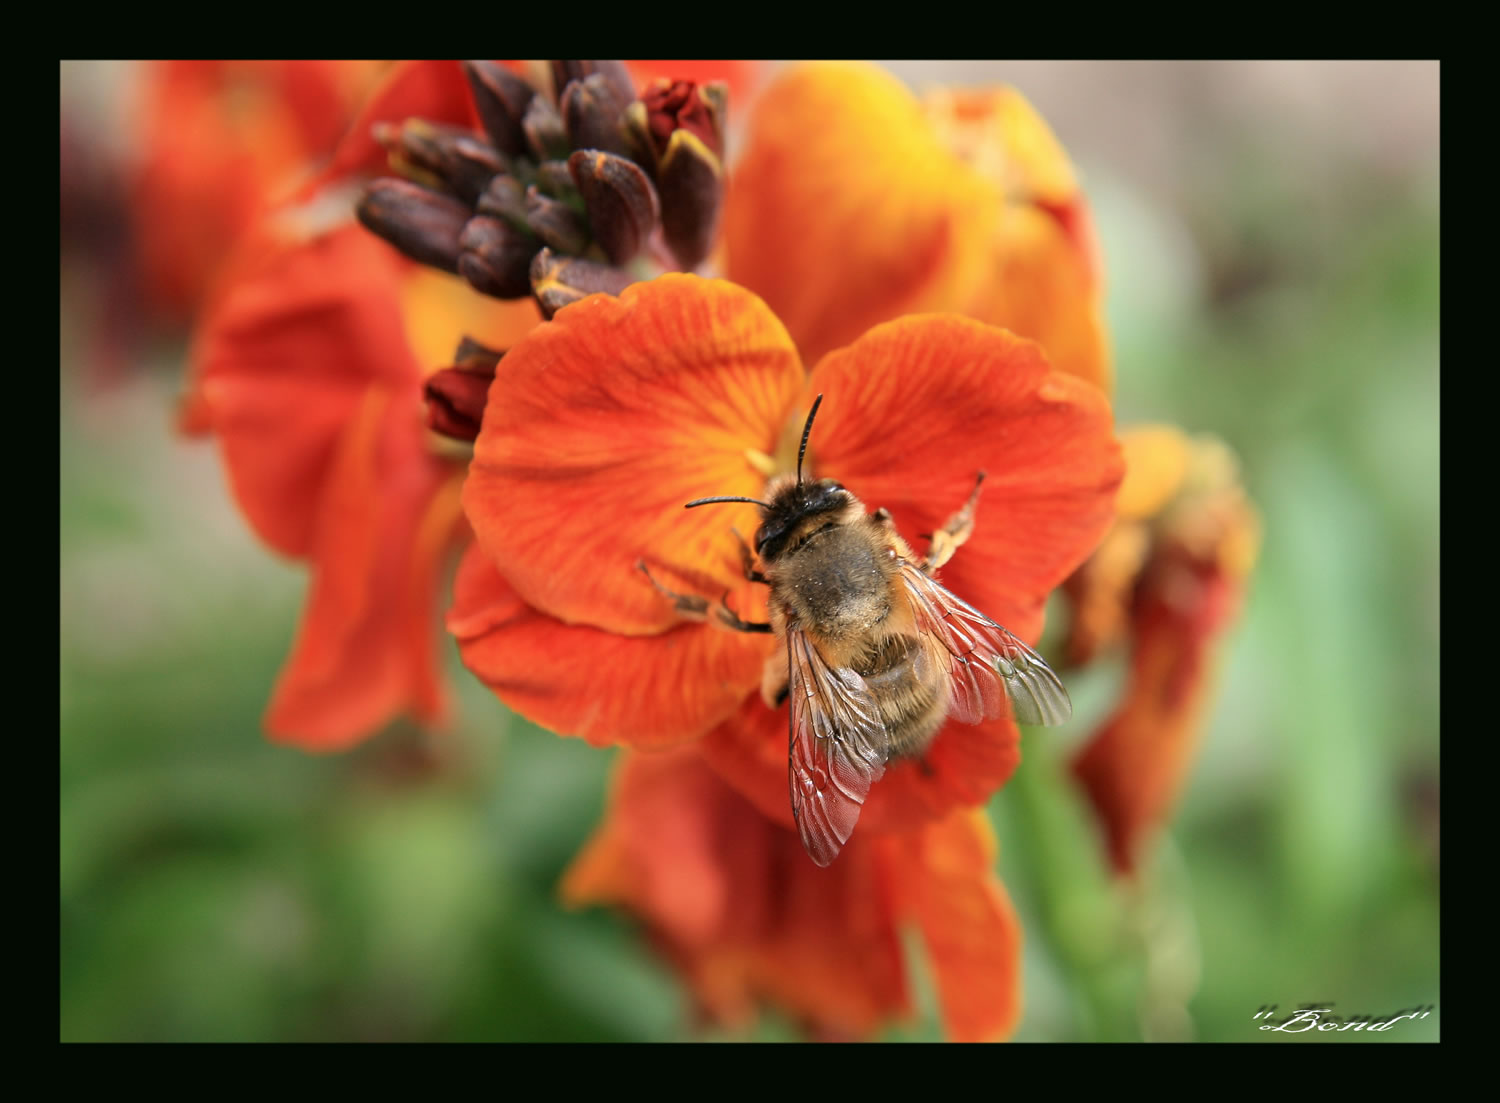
(682, 105)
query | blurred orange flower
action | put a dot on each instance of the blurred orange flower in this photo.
(308, 367)
(1168, 579)
(732, 900)
(221, 141)
(855, 202)
(579, 474)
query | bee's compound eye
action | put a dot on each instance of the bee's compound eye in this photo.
(760, 540)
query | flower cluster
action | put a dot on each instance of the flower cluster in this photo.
(926, 265)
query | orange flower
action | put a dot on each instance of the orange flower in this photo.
(735, 904)
(1169, 577)
(221, 140)
(308, 368)
(854, 203)
(602, 425)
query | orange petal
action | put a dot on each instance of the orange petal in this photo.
(962, 768)
(603, 423)
(1041, 286)
(1156, 464)
(282, 361)
(737, 904)
(846, 209)
(644, 691)
(916, 408)
(366, 646)
(946, 882)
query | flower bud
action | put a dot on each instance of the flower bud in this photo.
(672, 105)
(453, 157)
(554, 179)
(621, 202)
(691, 185)
(558, 225)
(505, 198)
(424, 225)
(591, 111)
(544, 129)
(501, 99)
(456, 397)
(613, 73)
(496, 257)
(557, 281)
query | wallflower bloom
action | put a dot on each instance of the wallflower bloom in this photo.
(310, 369)
(855, 202)
(733, 901)
(1168, 579)
(581, 473)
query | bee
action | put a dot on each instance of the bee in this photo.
(878, 654)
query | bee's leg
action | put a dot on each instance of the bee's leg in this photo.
(690, 606)
(730, 619)
(696, 608)
(747, 559)
(951, 536)
(774, 679)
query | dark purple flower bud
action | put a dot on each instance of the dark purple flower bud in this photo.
(544, 129)
(691, 183)
(614, 73)
(505, 198)
(591, 112)
(424, 225)
(455, 159)
(496, 257)
(501, 99)
(621, 202)
(554, 178)
(558, 225)
(557, 281)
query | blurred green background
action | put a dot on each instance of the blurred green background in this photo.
(1271, 240)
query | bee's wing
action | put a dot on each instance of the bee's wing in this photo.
(984, 659)
(838, 747)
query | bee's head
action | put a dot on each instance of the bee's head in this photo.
(793, 503)
(792, 507)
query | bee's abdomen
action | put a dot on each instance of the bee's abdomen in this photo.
(912, 694)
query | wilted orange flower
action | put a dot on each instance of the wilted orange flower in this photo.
(733, 901)
(221, 141)
(1168, 578)
(855, 202)
(603, 424)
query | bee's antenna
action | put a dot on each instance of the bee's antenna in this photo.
(710, 501)
(807, 432)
